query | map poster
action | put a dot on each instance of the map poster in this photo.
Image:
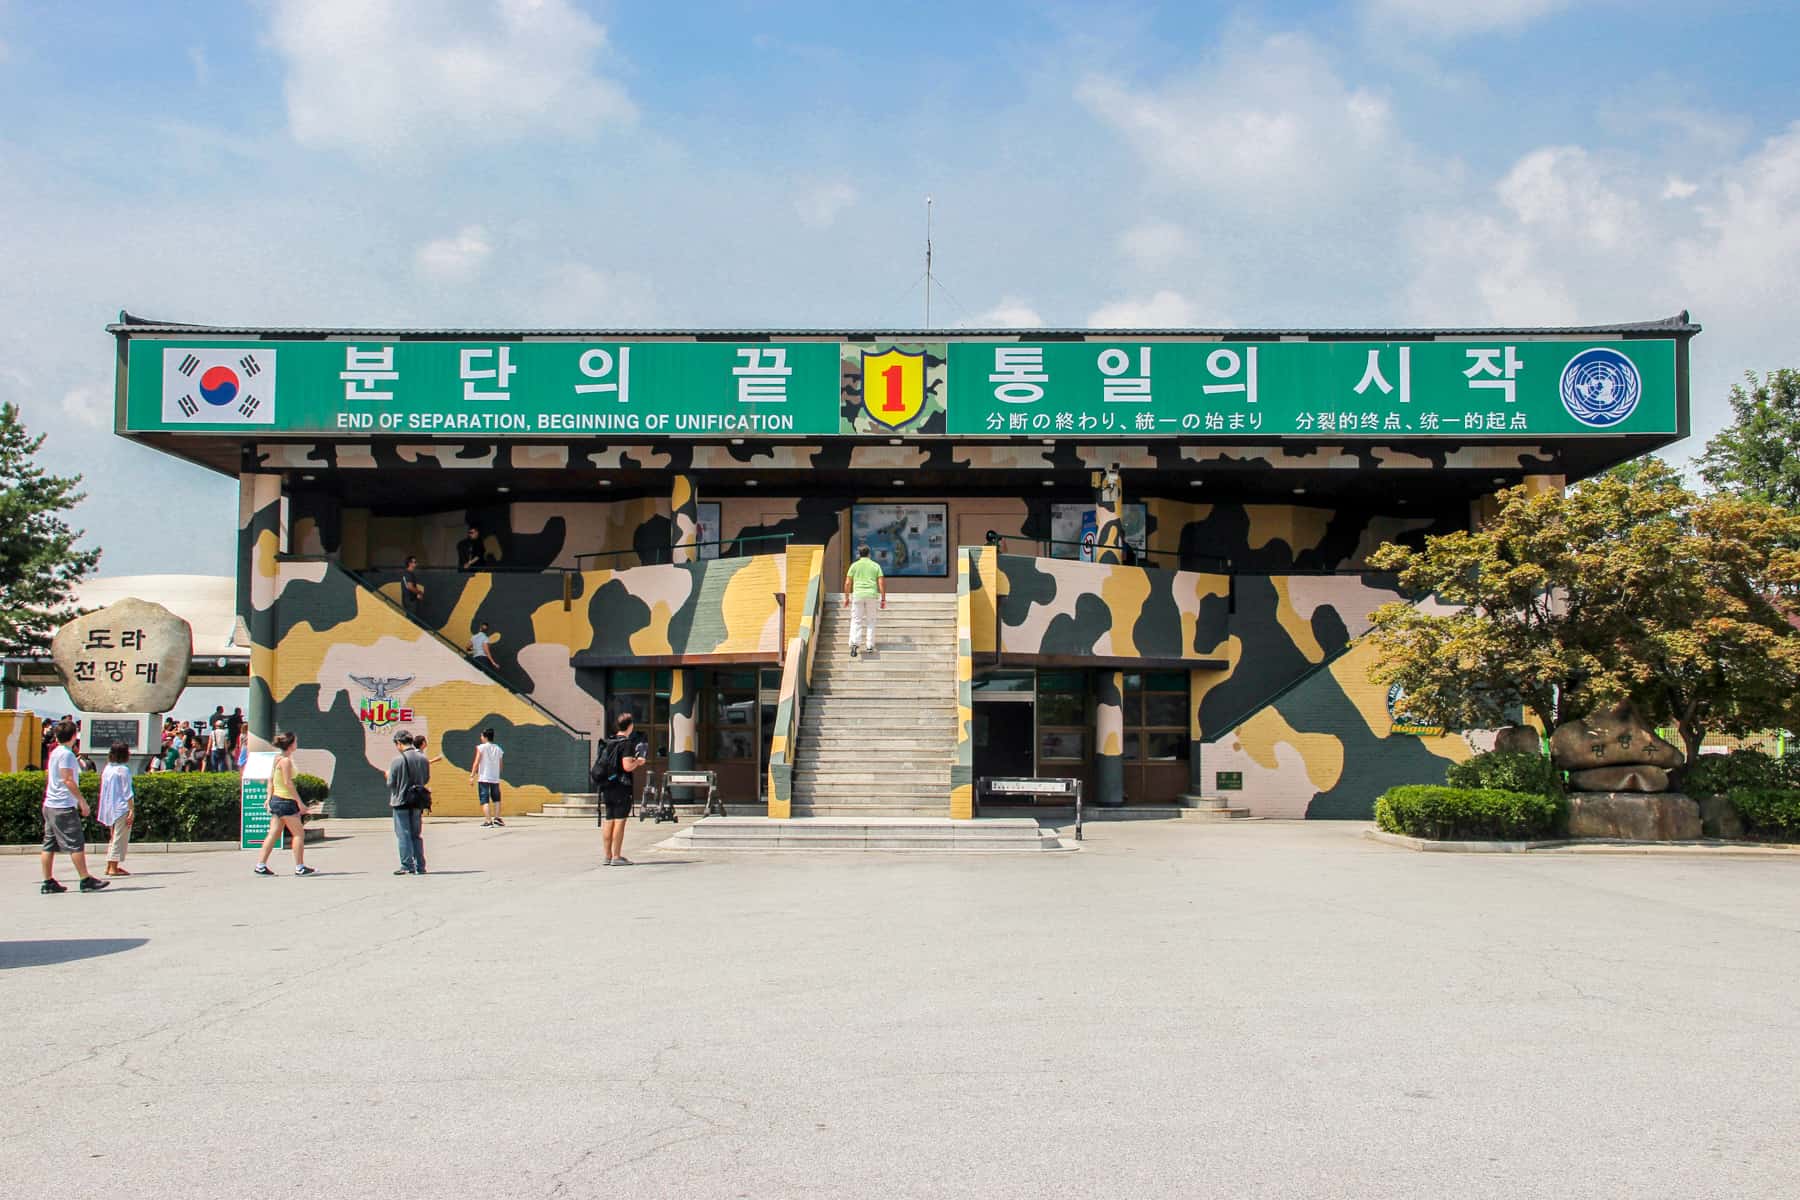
(905, 539)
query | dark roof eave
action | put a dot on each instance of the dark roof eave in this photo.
(129, 324)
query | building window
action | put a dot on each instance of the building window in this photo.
(1062, 716)
(1156, 717)
(645, 695)
(731, 716)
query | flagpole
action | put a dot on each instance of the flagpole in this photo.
(928, 262)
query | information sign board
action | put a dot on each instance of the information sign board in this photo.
(253, 798)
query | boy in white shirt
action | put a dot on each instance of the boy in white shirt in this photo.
(116, 800)
(485, 775)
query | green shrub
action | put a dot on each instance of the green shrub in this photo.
(1722, 774)
(1771, 813)
(1471, 814)
(170, 806)
(312, 789)
(1496, 771)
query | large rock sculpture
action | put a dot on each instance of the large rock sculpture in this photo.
(132, 656)
(1618, 769)
(1613, 750)
(1517, 739)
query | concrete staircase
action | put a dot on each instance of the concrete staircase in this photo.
(878, 732)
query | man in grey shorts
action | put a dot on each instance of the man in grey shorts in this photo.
(64, 808)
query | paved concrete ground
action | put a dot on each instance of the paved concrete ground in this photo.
(1179, 1010)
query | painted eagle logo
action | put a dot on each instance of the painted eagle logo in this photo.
(381, 687)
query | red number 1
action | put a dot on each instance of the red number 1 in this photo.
(893, 403)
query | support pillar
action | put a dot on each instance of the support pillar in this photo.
(259, 540)
(684, 687)
(1109, 739)
(1109, 517)
(684, 511)
(1197, 681)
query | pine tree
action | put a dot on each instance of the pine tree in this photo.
(40, 563)
(1758, 455)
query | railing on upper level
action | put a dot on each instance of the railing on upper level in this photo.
(655, 555)
(1134, 554)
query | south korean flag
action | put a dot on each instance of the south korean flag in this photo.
(219, 387)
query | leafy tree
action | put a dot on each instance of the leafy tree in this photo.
(1758, 455)
(40, 564)
(1627, 587)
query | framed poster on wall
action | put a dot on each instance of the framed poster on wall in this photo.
(709, 529)
(906, 539)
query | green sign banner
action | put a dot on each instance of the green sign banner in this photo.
(1097, 389)
(513, 389)
(1313, 389)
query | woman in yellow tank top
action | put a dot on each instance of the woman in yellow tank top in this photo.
(284, 807)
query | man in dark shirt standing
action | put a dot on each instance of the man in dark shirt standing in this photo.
(412, 592)
(408, 768)
(616, 793)
(471, 552)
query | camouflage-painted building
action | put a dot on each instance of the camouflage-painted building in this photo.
(1157, 539)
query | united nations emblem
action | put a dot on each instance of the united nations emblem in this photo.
(1601, 387)
(893, 386)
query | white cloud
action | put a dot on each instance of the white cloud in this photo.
(1154, 244)
(1010, 313)
(1165, 309)
(1269, 127)
(197, 60)
(1459, 18)
(1746, 255)
(91, 405)
(1566, 237)
(1562, 190)
(456, 258)
(580, 296)
(386, 78)
(819, 206)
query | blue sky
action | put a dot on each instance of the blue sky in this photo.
(554, 162)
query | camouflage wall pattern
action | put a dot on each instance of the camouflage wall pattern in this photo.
(1278, 638)
(348, 669)
(1056, 609)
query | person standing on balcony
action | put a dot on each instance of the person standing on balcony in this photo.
(864, 585)
(412, 592)
(471, 552)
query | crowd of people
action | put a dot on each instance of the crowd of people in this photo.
(216, 743)
(409, 796)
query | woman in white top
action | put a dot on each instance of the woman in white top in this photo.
(116, 799)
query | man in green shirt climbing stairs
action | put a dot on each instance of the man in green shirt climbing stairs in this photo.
(863, 583)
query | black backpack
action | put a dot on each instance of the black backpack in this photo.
(606, 772)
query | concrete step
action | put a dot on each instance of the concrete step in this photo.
(867, 831)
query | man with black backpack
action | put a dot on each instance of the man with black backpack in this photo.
(409, 797)
(619, 756)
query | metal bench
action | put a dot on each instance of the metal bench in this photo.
(992, 785)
